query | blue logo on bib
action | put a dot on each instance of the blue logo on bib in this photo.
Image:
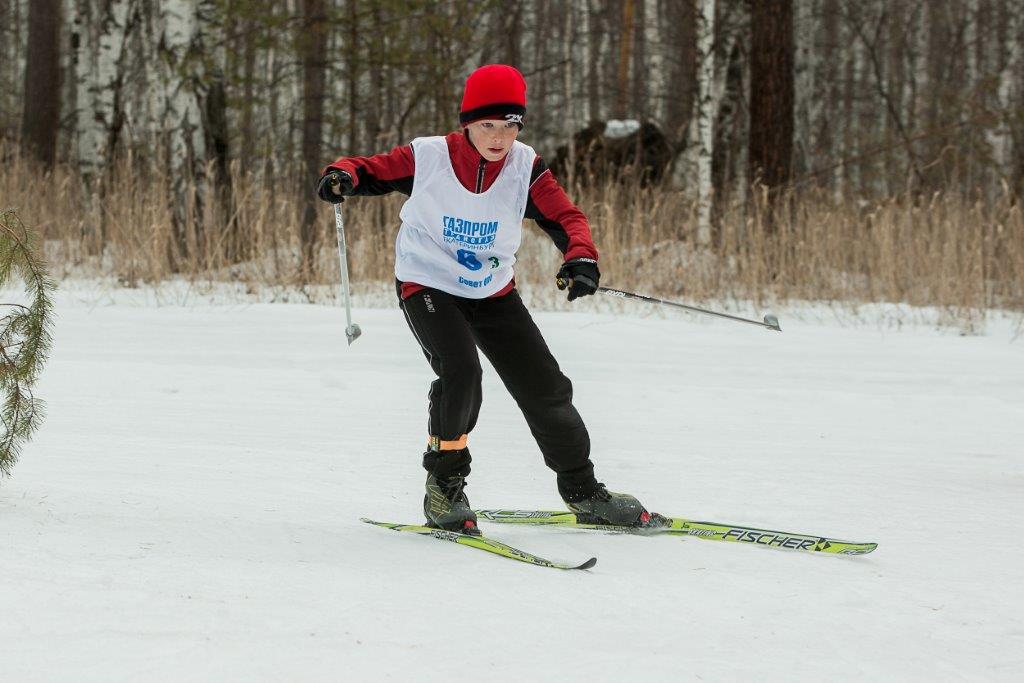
(468, 259)
(470, 234)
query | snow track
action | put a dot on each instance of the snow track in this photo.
(190, 509)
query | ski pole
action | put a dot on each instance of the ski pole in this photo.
(770, 321)
(352, 331)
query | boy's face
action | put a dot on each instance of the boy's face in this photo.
(492, 138)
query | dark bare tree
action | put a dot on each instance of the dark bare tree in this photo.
(311, 44)
(771, 92)
(640, 76)
(681, 93)
(41, 111)
(625, 35)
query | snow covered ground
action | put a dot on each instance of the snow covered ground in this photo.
(190, 509)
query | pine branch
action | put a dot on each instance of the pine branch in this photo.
(25, 338)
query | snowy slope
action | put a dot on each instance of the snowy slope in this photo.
(189, 511)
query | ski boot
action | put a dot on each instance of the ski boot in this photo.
(601, 506)
(446, 506)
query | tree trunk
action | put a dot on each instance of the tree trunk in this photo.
(969, 89)
(211, 92)
(641, 74)
(102, 30)
(806, 97)
(681, 93)
(312, 44)
(595, 36)
(1018, 131)
(180, 121)
(918, 76)
(832, 66)
(729, 133)
(352, 67)
(1008, 97)
(12, 66)
(705, 116)
(771, 92)
(513, 32)
(7, 75)
(272, 74)
(375, 102)
(41, 111)
(625, 57)
(568, 121)
(654, 79)
(247, 129)
(545, 42)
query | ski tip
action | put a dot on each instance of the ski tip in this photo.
(588, 564)
(386, 525)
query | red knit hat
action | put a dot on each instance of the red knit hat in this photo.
(495, 91)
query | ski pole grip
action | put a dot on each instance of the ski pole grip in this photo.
(562, 283)
(334, 180)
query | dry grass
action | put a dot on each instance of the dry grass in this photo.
(940, 251)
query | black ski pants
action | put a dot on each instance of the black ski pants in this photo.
(451, 328)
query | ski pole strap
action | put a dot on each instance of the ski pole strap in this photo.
(435, 443)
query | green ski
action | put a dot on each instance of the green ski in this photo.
(678, 526)
(481, 543)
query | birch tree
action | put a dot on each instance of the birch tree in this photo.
(181, 72)
(101, 29)
(652, 67)
(705, 115)
(971, 42)
(1009, 82)
(806, 64)
(917, 57)
(969, 86)
(871, 77)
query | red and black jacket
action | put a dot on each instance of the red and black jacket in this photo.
(547, 204)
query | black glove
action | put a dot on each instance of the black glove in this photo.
(580, 275)
(334, 186)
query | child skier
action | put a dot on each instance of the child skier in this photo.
(461, 227)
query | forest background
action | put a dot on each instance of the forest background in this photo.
(845, 151)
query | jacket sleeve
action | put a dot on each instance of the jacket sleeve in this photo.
(564, 223)
(381, 173)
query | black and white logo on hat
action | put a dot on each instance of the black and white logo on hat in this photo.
(514, 118)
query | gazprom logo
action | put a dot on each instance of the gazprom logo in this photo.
(514, 118)
(472, 234)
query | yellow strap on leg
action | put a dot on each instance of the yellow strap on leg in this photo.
(435, 443)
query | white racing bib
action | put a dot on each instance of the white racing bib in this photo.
(456, 240)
